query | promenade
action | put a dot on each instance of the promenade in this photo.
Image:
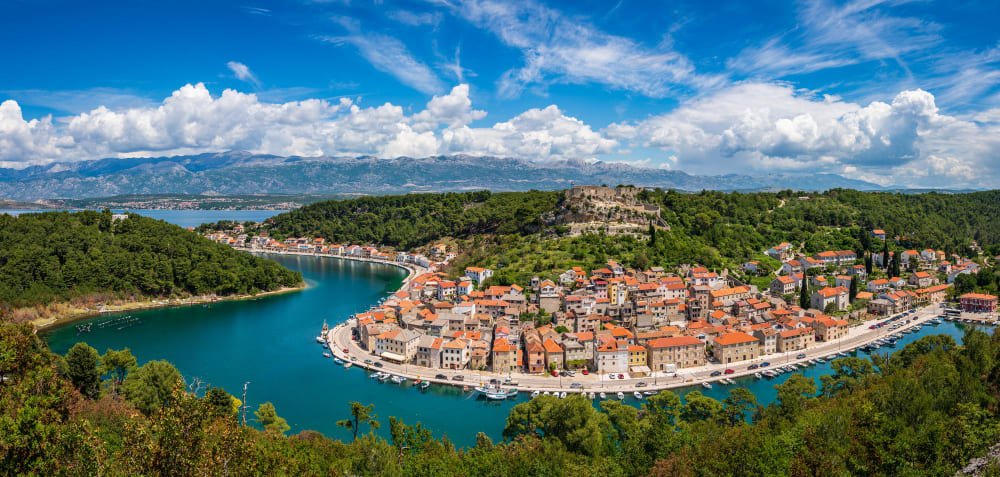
(339, 338)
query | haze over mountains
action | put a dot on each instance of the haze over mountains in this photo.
(238, 172)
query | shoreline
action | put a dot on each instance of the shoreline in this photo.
(154, 304)
(339, 340)
(412, 269)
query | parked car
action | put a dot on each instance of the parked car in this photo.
(440, 376)
(346, 351)
(612, 376)
(458, 378)
(765, 364)
(800, 356)
(752, 367)
(368, 361)
(621, 376)
(716, 373)
(640, 384)
(730, 371)
(555, 373)
(378, 365)
(585, 372)
(576, 385)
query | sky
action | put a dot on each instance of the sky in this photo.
(894, 92)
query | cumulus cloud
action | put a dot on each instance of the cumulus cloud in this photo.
(764, 126)
(243, 73)
(191, 120)
(746, 128)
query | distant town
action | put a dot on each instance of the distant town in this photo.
(194, 201)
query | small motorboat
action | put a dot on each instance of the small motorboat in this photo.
(591, 395)
(338, 361)
(758, 375)
(706, 385)
(512, 392)
(327, 355)
(649, 393)
(424, 385)
(843, 354)
(546, 393)
(326, 346)
(637, 395)
(621, 395)
(319, 339)
(603, 395)
(562, 395)
(495, 395)
(348, 365)
(534, 394)
(398, 379)
(384, 377)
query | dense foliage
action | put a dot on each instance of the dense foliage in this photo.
(407, 221)
(925, 410)
(60, 255)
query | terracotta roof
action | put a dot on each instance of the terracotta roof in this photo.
(735, 337)
(674, 341)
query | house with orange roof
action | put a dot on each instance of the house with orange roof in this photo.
(554, 357)
(796, 339)
(829, 329)
(922, 279)
(679, 352)
(879, 234)
(783, 285)
(878, 285)
(612, 357)
(837, 296)
(429, 351)
(735, 346)
(932, 294)
(978, 303)
(478, 274)
(456, 354)
(504, 356)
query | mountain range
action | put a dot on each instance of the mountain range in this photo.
(239, 172)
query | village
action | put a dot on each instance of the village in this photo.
(617, 320)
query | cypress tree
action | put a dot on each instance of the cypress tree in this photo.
(854, 289)
(885, 255)
(868, 265)
(804, 301)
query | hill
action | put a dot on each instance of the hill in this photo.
(239, 172)
(60, 256)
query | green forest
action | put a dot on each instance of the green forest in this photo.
(926, 410)
(58, 256)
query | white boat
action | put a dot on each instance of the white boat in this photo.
(637, 395)
(603, 395)
(621, 395)
(649, 393)
(338, 361)
(398, 379)
(758, 375)
(546, 393)
(424, 385)
(384, 377)
(495, 395)
(706, 385)
(348, 365)
(534, 394)
(591, 395)
(562, 395)
(327, 355)
(842, 354)
(319, 339)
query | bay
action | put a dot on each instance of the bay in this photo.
(187, 218)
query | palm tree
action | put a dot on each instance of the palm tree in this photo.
(360, 414)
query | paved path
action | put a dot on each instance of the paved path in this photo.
(340, 337)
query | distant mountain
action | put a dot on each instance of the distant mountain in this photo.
(239, 172)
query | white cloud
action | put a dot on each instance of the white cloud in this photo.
(243, 73)
(415, 19)
(389, 55)
(558, 48)
(754, 127)
(20, 139)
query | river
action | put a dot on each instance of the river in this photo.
(270, 342)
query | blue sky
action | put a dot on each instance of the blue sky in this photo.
(896, 92)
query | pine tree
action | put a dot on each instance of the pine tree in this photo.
(854, 289)
(82, 362)
(652, 234)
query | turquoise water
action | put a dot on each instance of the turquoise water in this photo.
(271, 343)
(189, 218)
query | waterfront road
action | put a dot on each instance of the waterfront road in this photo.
(859, 335)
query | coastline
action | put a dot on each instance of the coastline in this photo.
(412, 269)
(339, 340)
(153, 304)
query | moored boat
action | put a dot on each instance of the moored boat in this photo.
(534, 394)
(327, 355)
(424, 385)
(706, 385)
(338, 361)
(348, 365)
(637, 395)
(603, 395)
(621, 395)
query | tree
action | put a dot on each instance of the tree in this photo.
(572, 421)
(793, 393)
(652, 234)
(699, 407)
(804, 300)
(82, 364)
(847, 375)
(736, 406)
(149, 387)
(116, 365)
(221, 403)
(268, 417)
(853, 292)
(885, 255)
(868, 265)
(360, 414)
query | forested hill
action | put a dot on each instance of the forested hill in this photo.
(58, 256)
(729, 225)
(412, 220)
